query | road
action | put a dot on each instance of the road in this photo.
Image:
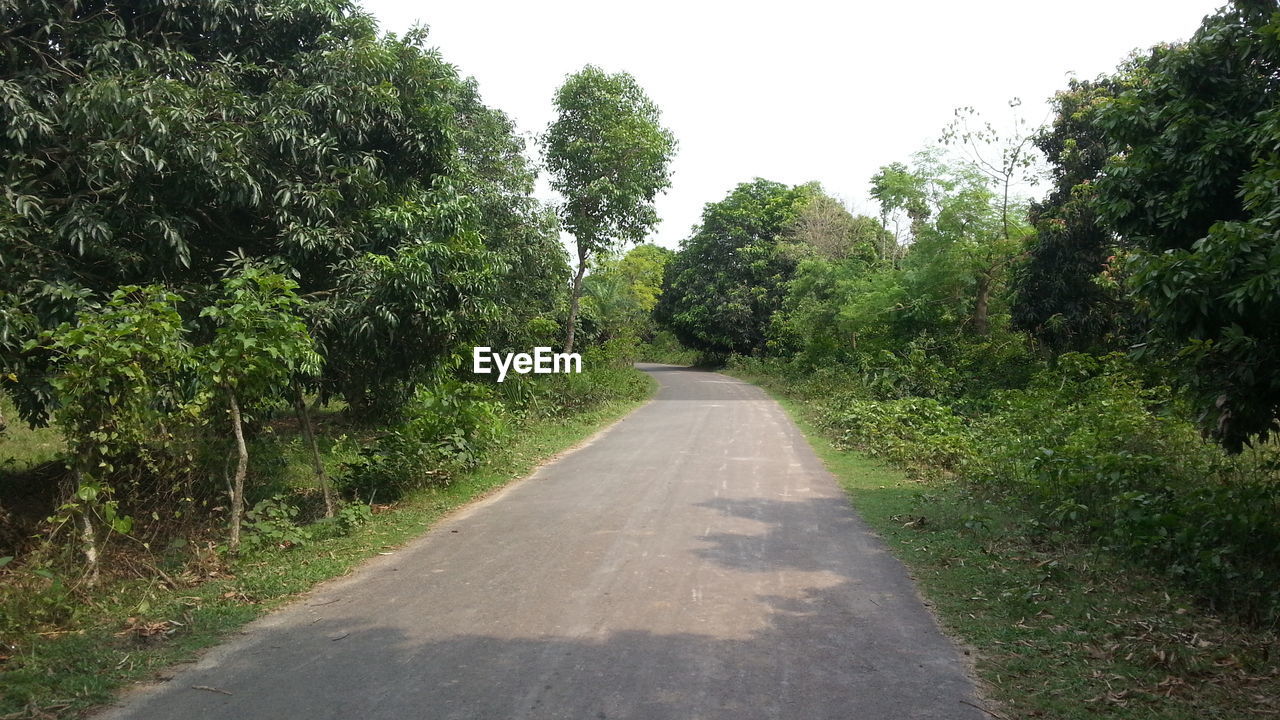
(695, 560)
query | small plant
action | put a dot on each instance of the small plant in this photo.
(273, 523)
(353, 516)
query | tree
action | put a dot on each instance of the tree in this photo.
(1194, 184)
(965, 236)
(521, 232)
(258, 343)
(722, 288)
(824, 227)
(608, 155)
(146, 143)
(1061, 294)
(623, 291)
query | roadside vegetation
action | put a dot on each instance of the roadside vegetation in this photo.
(69, 648)
(245, 252)
(1059, 624)
(245, 249)
(1077, 394)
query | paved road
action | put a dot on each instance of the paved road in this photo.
(694, 561)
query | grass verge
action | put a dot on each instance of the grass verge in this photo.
(1060, 629)
(20, 446)
(145, 626)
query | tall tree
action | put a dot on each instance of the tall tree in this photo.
(609, 157)
(966, 234)
(1059, 296)
(146, 143)
(1194, 184)
(722, 288)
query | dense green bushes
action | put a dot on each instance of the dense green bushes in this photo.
(1086, 448)
(1089, 447)
(964, 335)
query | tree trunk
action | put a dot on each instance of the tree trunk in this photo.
(322, 477)
(574, 295)
(981, 305)
(89, 538)
(242, 465)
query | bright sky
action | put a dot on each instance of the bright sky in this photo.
(794, 92)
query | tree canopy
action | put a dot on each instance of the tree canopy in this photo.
(1193, 183)
(729, 277)
(154, 143)
(609, 156)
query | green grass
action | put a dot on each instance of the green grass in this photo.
(135, 628)
(1058, 629)
(20, 446)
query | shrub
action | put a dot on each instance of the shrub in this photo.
(1090, 449)
(921, 434)
(273, 522)
(446, 428)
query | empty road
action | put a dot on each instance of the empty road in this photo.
(693, 561)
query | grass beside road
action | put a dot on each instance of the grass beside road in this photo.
(141, 627)
(20, 446)
(1059, 630)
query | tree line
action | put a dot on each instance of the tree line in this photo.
(215, 213)
(1064, 354)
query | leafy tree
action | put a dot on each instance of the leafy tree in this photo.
(148, 142)
(1194, 184)
(729, 277)
(608, 155)
(643, 268)
(964, 239)
(1066, 294)
(623, 291)
(116, 368)
(394, 317)
(258, 343)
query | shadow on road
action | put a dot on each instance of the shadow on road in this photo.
(833, 650)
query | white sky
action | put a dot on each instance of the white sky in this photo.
(797, 91)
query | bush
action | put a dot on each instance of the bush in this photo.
(446, 428)
(606, 376)
(1090, 449)
(273, 522)
(920, 434)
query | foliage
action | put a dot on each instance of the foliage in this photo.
(146, 144)
(1194, 184)
(522, 234)
(722, 288)
(1091, 448)
(258, 341)
(446, 428)
(117, 368)
(258, 345)
(608, 155)
(1069, 292)
(116, 374)
(273, 523)
(1086, 448)
(965, 236)
(622, 292)
(916, 432)
(825, 228)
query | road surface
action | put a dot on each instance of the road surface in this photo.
(693, 561)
